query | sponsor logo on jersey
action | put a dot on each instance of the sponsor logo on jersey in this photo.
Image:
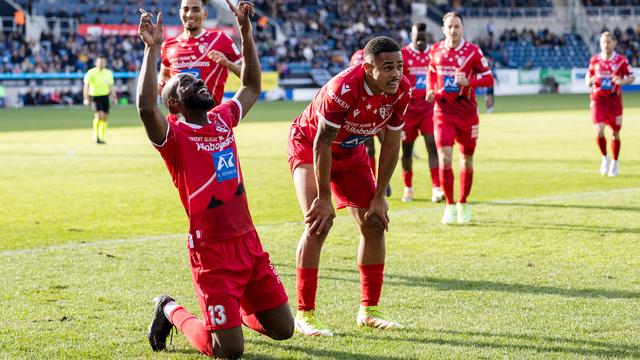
(225, 163)
(345, 89)
(343, 104)
(421, 82)
(209, 147)
(190, 64)
(353, 141)
(606, 83)
(450, 85)
(356, 112)
(386, 111)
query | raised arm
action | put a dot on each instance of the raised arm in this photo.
(250, 73)
(147, 100)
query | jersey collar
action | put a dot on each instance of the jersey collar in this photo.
(613, 54)
(415, 50)
(456, 49)
(195, 37)
(367, 90)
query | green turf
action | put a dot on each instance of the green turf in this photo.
(549, 268)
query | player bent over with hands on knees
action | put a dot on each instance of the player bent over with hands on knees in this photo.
(327, 155)
(234, 280)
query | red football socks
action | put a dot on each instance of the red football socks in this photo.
(371, 277)
(446, 179)
(615, 148)
(466, 179)
(602, 144)
(307, 283)
(435, 177)
(372, 163)
(252, 322)
(407, 178)
(194, 329)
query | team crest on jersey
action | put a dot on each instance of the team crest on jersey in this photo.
(202, 47)
(221, 126)
(461, 60)
(386, 111)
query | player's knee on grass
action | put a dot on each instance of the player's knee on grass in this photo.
(228, 348)
(283, 331)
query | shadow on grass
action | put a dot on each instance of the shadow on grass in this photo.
(445, 284)
(594, 229)
(565, 206)
(506, 341)
(324, 353)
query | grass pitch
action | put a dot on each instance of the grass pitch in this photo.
(549, 268)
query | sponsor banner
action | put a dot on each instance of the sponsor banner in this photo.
(169, 31)
(529, 77)
(269, 82)
(562, 76)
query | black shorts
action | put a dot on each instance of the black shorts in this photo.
(101, 103)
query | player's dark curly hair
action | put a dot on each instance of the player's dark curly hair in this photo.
(379, 45)
(420, 26)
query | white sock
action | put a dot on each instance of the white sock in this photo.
(168, 309)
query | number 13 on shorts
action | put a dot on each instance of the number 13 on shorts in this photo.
(217, 314)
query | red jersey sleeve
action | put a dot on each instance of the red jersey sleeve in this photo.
(338, 99)
(483, 76)
(625, 69)
(432, 74)
(591, 70)
(163, 54)
(230, 112)
(228, 48)
(396, 122)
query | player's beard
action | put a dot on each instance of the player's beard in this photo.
(197, 103)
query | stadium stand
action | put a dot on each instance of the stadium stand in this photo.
(306, 41)
(529, 49)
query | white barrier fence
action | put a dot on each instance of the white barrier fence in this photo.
(566, 81)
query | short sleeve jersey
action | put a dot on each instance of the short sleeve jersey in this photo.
(181, 55)
(604, 70)
(416, 66)
(348, 104)
(204, 165)
(357, 57)
(100, 81)
(467, 58)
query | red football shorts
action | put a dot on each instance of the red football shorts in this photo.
(233, 274)
(607, 110)
(452, 128)
(352, 181)
(419, 118)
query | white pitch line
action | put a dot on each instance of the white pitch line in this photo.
(98, 243)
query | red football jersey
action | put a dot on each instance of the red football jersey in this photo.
(604, 70)
(416, 66)
(204, 165)
(190, 55)
(347, 103)
(357, 57)
(466, 58)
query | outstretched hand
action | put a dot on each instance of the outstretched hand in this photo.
(243, 12)
(151, 34)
